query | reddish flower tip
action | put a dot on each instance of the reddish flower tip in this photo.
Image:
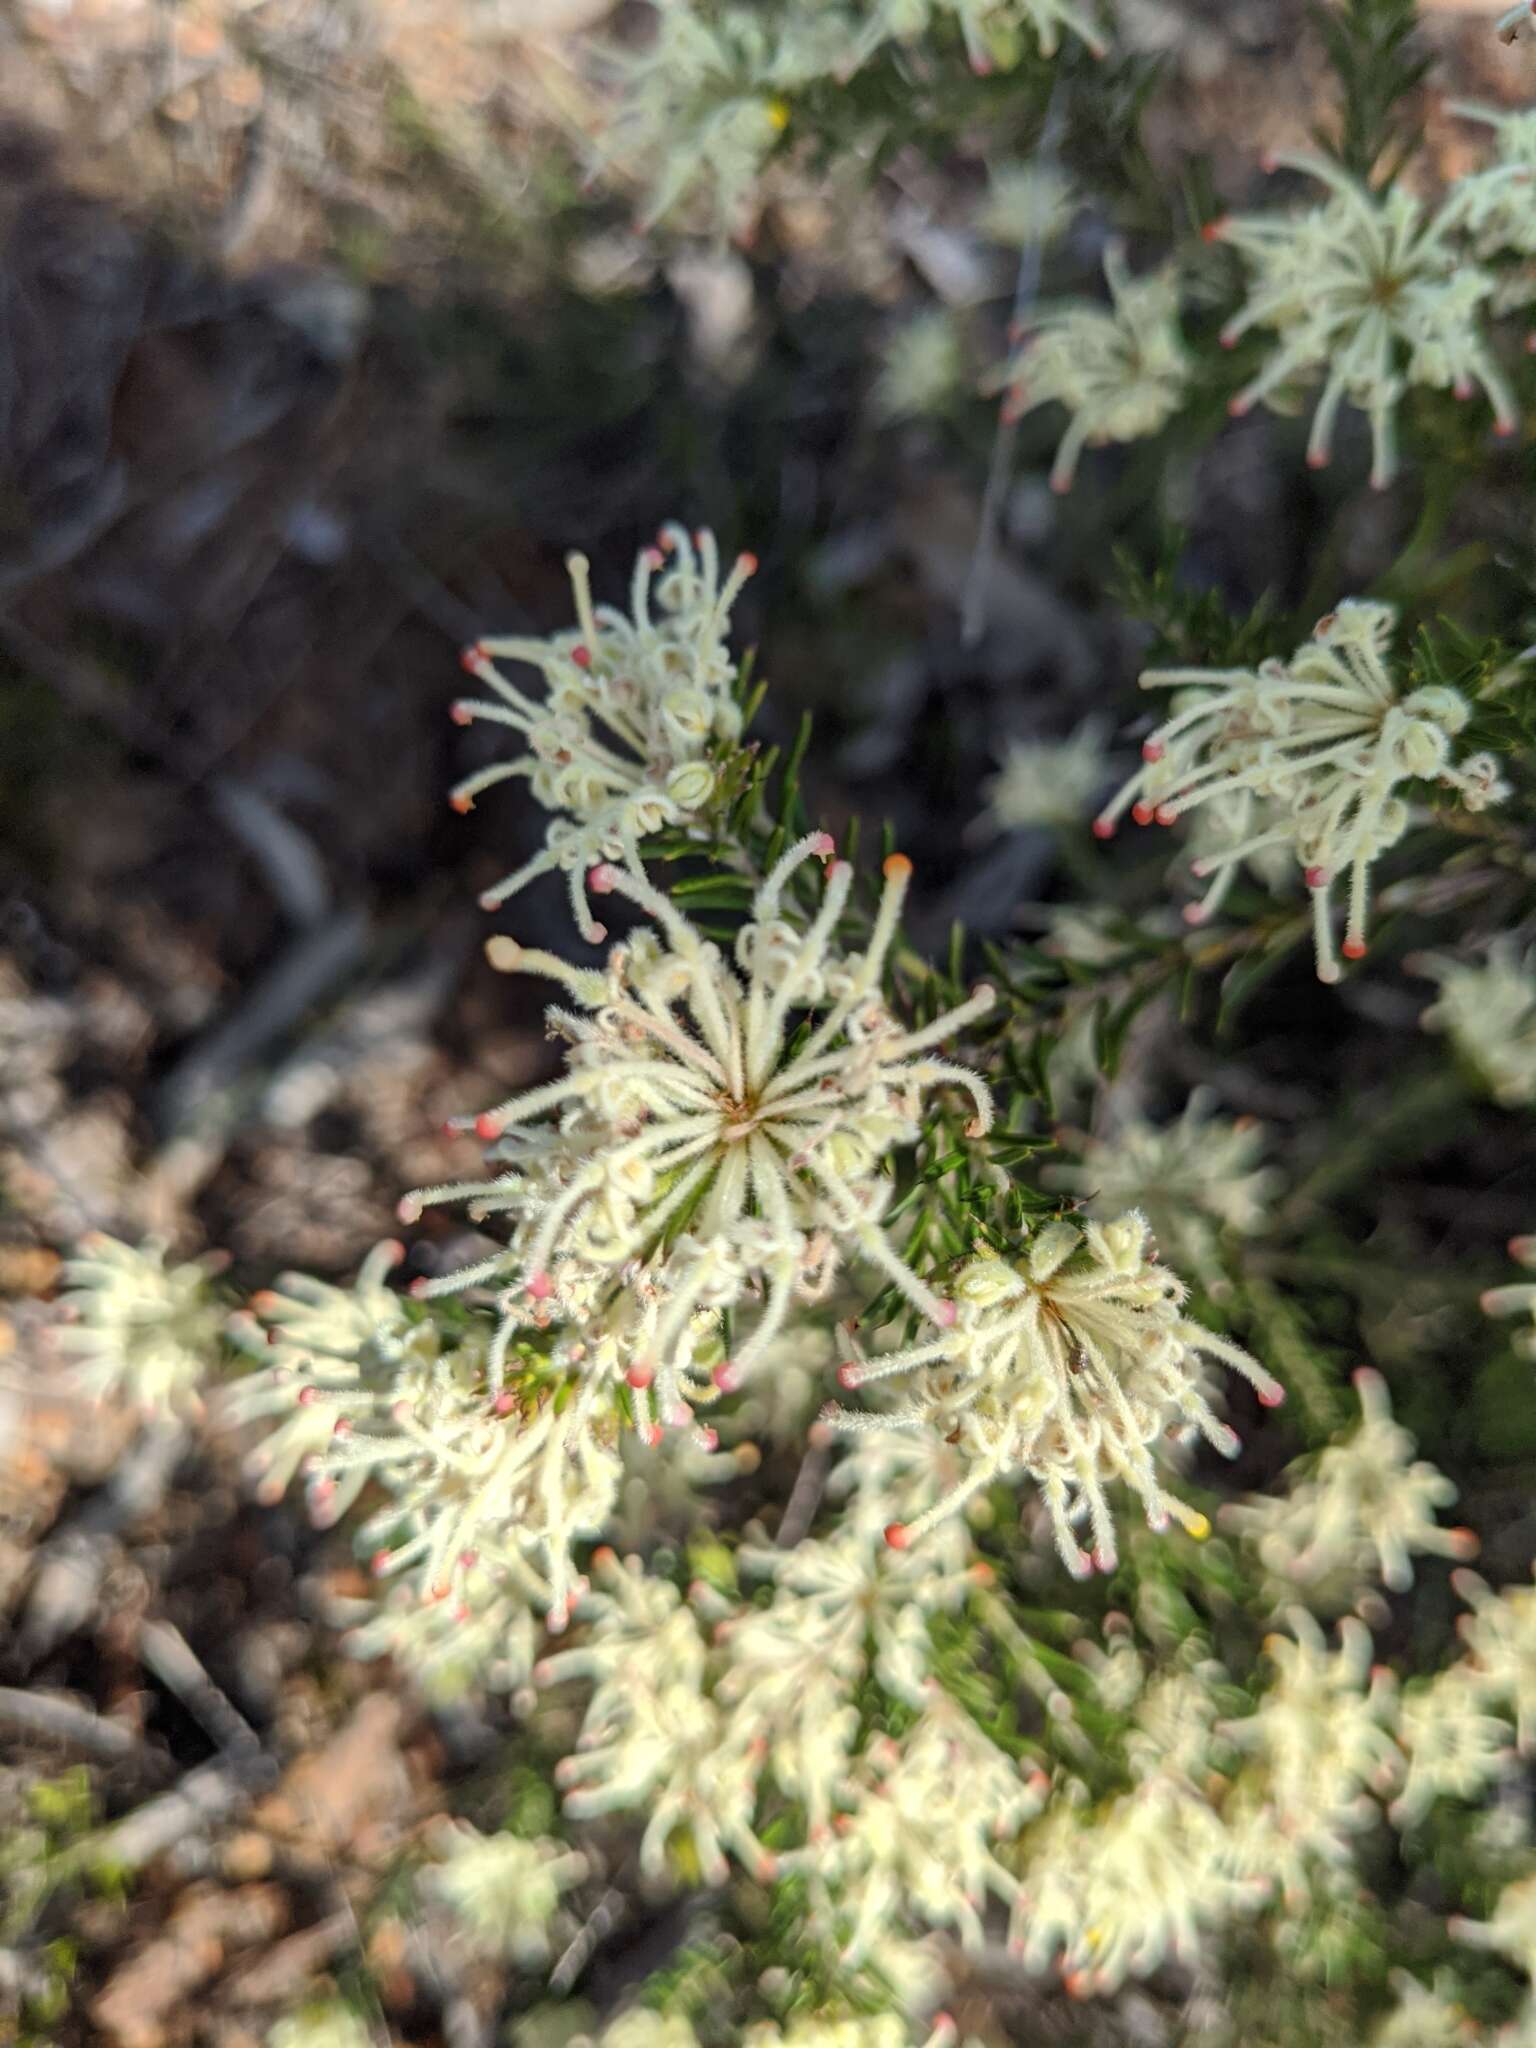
(1215, 229)
(1103, 828)
(1506, 429)
(823, 845)
(504, 1404)
(418, 1289)
(378, 1564)
(1195, 913)
(307, 1396)
(1165, 814)
(1271, 1397)
(896, 867)
(726, 1377)
(1354, 949)
(395, 1249)
(1315, 878)
(1142, 813)
(654, 559)
(640, 1376)
(470, 658)
(1152, 750)
(848, 1376)
(897, 1535)
(601, 879)
(582, 656)
(460, 713)
(1317, 459)
(651, 1437)
(1239, 408)
(1104, 1560)
(946, 1314)
(487, 1127)
(746, 562)
(540, 1286)
(461, 802)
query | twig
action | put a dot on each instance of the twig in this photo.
(79, 1728)
(166, 1653)
(595, 1929)
(805, 1497)
(210, 1794)
(72, 1563)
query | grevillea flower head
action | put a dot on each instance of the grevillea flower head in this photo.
(1455, 1748)
(1494, 205)
(1195, 1180)
(1362, 1510)
(504, 1890)
(1121, 372)
(636, 711)
(144, 1332)
(1519, 1299)
(991, 28)
(705, 1150)
(1370, 293)
(1028, 206)
(1488, 1010)
(1322, 743)
(1048, 782)
(1500, 1639)
(1074, 1364)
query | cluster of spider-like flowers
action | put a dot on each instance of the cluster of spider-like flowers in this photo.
(1519, 1299)
(1073, 1364)
(143, 1332)
(628, 735)
(1309, 754)
(489, 1485)
(504, 1890)
(1196, 1180)
(1488, 1011)
(1362, 1510)
(1121, 371)
(706, 1150)
(1048, 782)
(1373, 294)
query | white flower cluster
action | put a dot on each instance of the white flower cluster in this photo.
(1374, 295)
(144, 1332)
(1519, 1299)
(1310, 754)
(1197, 1181)
(1488, 1011)
(1120, 372)
(1073, 1364)
(1360, 1511)
(503, 1890)
(702, 1154)
(636, 711)
(1494, 204)
(1048, 782)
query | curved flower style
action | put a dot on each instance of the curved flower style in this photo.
(627, 736)
(1121, 373)
(1193, 1180)
(144, 1332)
(1071, 1364)
(504, 1890)
(1516, 1300)
(1455, 1750)
(1489, 1013)
(1363, 1511)
(1500, 1638)
(1368, 292)
(991, 28)
(1321, 742)
(1322, 1733)
(706, 1149)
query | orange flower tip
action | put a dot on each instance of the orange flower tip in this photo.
(1195, 913)
(896, 867)
(1152, 750)
(897, 1535)
(982, 1575)
(1315, 878)
(1465, 1543)
(461, 802)
(582, 656)
(307, 1396)
(640, 1376)
(1271, 1395)
(460, 713)
(1103, 828)
(418, 1289)
(471, 658)
(946, 1314)
(747, 562)
(651, 1437)
(602, 878)
(1239, 408)
(1317, 458)
(1142, 813)
(487, 1128)
(1165, 814)
(1354, 949)
(767, 1869)
(1215, 229)
(848, 1376)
